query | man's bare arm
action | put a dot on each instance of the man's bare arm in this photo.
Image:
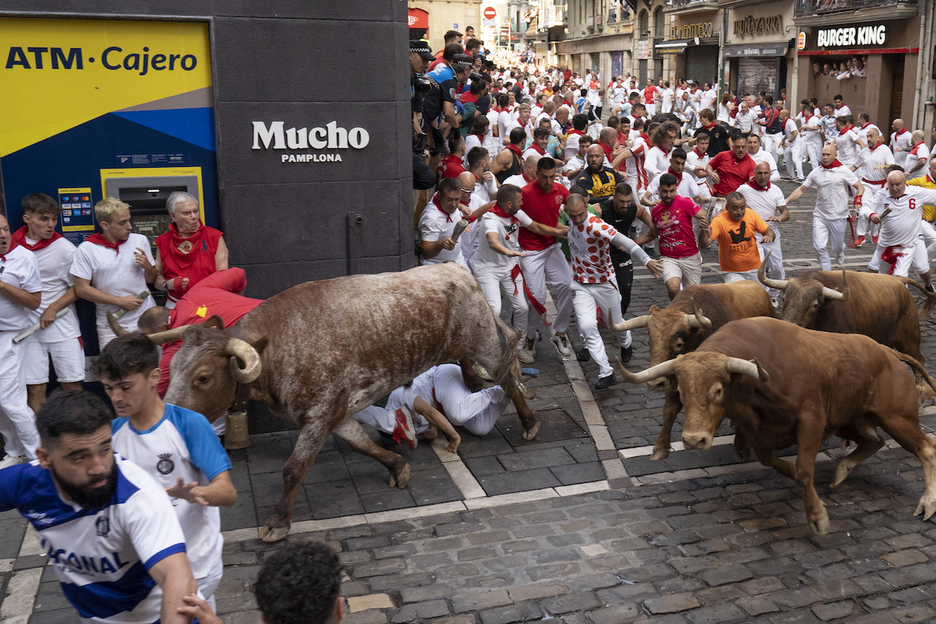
(174, 575)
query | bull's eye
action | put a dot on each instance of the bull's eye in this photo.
(202, 379)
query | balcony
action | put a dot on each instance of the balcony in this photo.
(691, 4)
(817, 8)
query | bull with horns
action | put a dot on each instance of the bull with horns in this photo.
(320, 351)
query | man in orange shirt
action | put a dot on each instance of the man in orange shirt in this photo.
(734, 230)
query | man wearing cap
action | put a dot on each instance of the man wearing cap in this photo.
(423, 178)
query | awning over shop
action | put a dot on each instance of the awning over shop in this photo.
(418, 18)
(767, 49)
(670, 47)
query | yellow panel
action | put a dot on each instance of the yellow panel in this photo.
(158, 172)
(56, 74)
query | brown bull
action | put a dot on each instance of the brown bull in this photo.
(781, 385)
(321, 351)
(694, 315)
(848, 302)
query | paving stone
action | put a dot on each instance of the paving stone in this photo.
(456, 619)
(537, 591)
(520, 612)
(833, 611)
(671, 604)
(480, 600)
(421, 611)
(581, 601)
(757, 606)
(715, 614)
(425, 594)
(371, 601)
(904, 558)
(916, 613)
(615, 614)
(367, 617)
(723, 576)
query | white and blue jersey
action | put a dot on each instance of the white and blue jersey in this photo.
(100, 556)
(181, 444)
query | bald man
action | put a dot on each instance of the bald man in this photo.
(831, 180)
(767, 201)
(901, 141)
(917, 157)
(872, 169)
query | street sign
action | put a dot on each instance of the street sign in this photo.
(490, 12)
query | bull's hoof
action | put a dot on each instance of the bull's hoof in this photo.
(660, 453)
(400, 478)
(926, 506)
(841, 471)
(530, 432)
(821, 525)
(742, 451)
(273, 534)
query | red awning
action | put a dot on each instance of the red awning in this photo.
(418, 18)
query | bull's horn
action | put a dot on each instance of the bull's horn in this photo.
(766, 281)
(745, 367)
(654, 372)
(835, 295)
(115, 326)
(698, 320)
(634, 323)
(243, 352)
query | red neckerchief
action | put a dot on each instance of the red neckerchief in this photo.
(678, 176)
(698, 153)
(645, 137)
(806, 120)
(876, 145)
(448, 215)
(12, 247)
(19, 238)
(607, 150)
(497, 210)
(753, 184)
(574, 131)
(480, 136)
(175, 240)
(536, 148)
(709, 127)
(469, 97)
(98, 239)
(866, 125)
(843, 131)
(835, 163)
(528, 180)
(901, 131)
(516, 150)
(916, 147)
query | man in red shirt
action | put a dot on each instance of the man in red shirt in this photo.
(218, 294)
(542, 199)
(679, 252)
(730, 169)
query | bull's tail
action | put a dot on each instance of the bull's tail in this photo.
(927, 306)
(926, 390)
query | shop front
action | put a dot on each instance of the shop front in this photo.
(691, 47)
(757, 51)
(885, 53)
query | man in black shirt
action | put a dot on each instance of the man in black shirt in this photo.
(620, 211)
(598, 180)
(719, 139)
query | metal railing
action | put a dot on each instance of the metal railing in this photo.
(685, 3)
(805, 8)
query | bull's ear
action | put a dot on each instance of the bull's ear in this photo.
(653, 309)
(214, 322)
(260, 344)
(760, 370)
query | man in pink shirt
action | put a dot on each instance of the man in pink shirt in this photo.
(679, 252)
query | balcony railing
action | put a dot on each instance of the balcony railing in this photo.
(674, 4)
(806, 8)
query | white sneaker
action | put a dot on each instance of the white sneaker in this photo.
(12, 460)
(525, 357)
(840, 258)
(562, 345)
(530, 348)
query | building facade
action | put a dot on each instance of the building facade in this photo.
(759, 48)
(431, 20)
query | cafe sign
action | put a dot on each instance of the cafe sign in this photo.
(691, 31)
(758, 26)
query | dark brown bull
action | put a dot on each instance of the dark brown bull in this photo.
(694, 315)
(781, 385)
(321, 351)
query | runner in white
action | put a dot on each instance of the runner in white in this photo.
(917, 158)
(872, 169)
(686, 185)
(865, 124)
(847, 142)
(811, 133)
(59, 338)
(793, 147)
(767, 201)
(20, 294)
(831, 180)
(113, 268)
(697, 159)
(495, 259)
(900, 242)
(901, 140)
(594, 286)
(761, 155)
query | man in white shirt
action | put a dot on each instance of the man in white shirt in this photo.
(576, 164)
(767, 201)
(793, 147)
(666, 98)
(658, 157)
(744, 120)
(847, 143)
(864, 124)
(112, 269)
(437, 224)
(762, 156)
(708, 98)
(899, 244)
(522, 121)
(811, 133)
(841, 109)
(59, 338)
(686, 186)
(495, 258)
(20, 294)
(872, 169)
(176, 446)
(901, 140)
(697, 159)
(831, 180)
(917, 160)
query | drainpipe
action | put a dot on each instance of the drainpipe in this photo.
(919, 109)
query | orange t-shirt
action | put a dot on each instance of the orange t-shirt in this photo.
(737, 249)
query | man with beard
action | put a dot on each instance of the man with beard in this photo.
(597, 179)
(176, 446)
(108, 528)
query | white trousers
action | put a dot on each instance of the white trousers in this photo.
(826, 231)
(917, 256)
(491, 283)
(928, 232)
(738, 276)
(771, 142)
(17, 421)
(863, 227)
(774, 263)
(537, 266)
(586, 299)
(793, 155)
(209, 583)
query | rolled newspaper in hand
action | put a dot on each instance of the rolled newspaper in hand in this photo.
(887, 210)
(32, 329)
(459, 228)
(142, 297)
(712, 202)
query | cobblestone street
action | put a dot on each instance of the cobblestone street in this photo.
(578, 525)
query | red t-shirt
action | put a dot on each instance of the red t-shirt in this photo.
(197, 264)
(543, 207)
(677, 238)
(732, 172)
(451, 167)
(216, 294)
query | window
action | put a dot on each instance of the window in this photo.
(658, 27)
(643, 23)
